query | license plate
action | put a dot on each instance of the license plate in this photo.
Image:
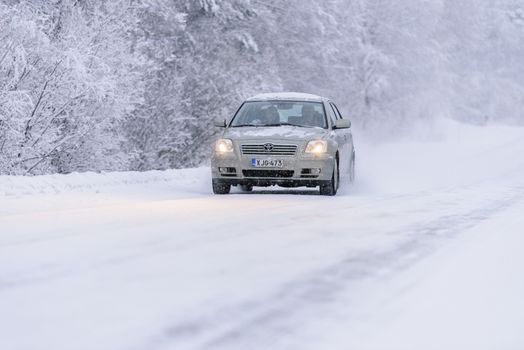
(267, 163)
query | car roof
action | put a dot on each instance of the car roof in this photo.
(287, 96)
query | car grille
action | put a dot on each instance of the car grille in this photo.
(269, 149)
(268, 173)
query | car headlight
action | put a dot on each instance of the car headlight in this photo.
(224, 146)
(316, 147)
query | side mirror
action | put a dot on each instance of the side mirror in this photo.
(220, 123)
(343, 124)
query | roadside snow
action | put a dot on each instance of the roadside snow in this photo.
(94, 182)
(468, 296)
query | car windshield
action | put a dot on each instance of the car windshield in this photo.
(277, 113)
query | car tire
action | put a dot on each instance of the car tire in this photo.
(221, 188)
(246, 188)
(330, 188)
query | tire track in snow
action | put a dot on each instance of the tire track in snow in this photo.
(265, 323)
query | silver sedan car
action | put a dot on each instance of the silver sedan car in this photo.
(284, 139)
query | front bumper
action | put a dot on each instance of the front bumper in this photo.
(237, 169)
(271, 182)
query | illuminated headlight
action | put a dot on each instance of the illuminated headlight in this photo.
(316, 147)
(224, 146)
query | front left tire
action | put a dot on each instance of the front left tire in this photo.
(221, 188)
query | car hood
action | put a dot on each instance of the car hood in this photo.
(285, 132)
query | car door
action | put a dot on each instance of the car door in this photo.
(340, 138)
(349, 134)
(345, 160)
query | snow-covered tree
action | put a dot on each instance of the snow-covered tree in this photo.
(204, 59)
(66, 82)
(485, 49)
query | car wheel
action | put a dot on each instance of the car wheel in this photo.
(352, 170)
(330, 189)
(246, 188)
(221, 188)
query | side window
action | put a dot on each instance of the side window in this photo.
(335, 109)
(331, 114)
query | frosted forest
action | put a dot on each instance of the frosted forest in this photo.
(94, 85)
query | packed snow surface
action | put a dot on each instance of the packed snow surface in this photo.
(425, 251)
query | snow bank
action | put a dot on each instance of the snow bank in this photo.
(95, 182)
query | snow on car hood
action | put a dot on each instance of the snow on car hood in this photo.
(285, 131)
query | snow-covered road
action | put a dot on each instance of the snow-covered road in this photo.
(426, 251)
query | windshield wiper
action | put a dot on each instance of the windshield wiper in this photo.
(280, 124)
(290, 124)
(272, 124)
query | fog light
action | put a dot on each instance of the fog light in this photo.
(227, 170)
(315, 171)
